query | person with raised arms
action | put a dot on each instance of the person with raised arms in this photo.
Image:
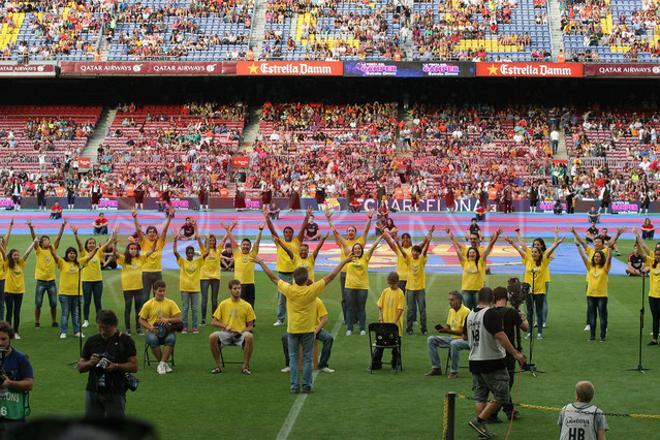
(189, 274)
(15, 283)
(4, 242)
(209, 277)
(152, 268)
(303, 258)
(243, 264)
(598, 269)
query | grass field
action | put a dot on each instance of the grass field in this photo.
(193, 404)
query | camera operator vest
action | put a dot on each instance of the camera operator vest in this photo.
(483, 345)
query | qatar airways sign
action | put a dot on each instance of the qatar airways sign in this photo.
(623, 70)
(27, 70)
(289, 68)
(530, 70)
(165, 68)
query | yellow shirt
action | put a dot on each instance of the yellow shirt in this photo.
(390, 302)
(69, 276)
(456, 320)
(542, 272)
(597, 280)
(590, 253)
(3, 269)
(654, 278)
(44, 269)
(473, 276)
(92, 271)
(236, 314)
(402, 264)
(15, 280)
(417, 273)
(243, 267)
(211, 267)
(189, 274)
(153, 310)
(301, 305)
(307, 263)
(350, 244)
(152, 263)
(131, 274)
(321, 311)
(357, 273)
(284, 264)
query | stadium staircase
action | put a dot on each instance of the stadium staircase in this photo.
(100, 133)
(258, 27)
(556, 34)
(251, 127)
(404, 114)
(562, 151)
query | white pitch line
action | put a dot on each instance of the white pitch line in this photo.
(294, 412)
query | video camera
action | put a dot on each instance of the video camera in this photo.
(518, 292)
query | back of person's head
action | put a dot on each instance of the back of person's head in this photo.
(300, 276)
(392, 278)
(485, 295)
(500, 293)
(107, 317)
(584, 391)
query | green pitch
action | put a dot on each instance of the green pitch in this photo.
(193, 404)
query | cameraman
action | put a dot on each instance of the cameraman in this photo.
(511, 319)
(17, 379)
(107, 356)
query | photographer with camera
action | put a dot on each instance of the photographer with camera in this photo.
(108, 357)
(16, 379)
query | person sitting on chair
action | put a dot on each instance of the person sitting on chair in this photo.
(235, 318)
(454, 342)
(391, 304)
(157, 317)
(321, 335)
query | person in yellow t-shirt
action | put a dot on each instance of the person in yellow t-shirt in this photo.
(456, 317)
(284, 265)
(652, 268)
(473, 262)
(402, 250)
(92, 279)
(351, 239)
(391, 304)
(4, 241)
(70, 289)
(301, 310)
(44, 274)
(152, 268)
(189, 274)
(302, 258)
(157, 316)
(15, 283)
(209, 277)
(357, 284)
(416, 284)
(131, 282)
(537, 272)
(235, 318)
(243, 264)
(598, 268)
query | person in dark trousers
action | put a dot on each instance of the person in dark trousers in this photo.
(107, 357)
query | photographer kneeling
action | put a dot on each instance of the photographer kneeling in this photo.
(17, 379)
(108, 356)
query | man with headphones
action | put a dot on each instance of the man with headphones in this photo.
(16, 379)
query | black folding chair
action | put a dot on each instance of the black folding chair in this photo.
(222, 357)
(147, 360)
(385, 336)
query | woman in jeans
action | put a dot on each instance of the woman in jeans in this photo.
(357, 284)
(598, 269)
(209, 277)
(15, 283)
(152, 267)
(189, 272)
(92, 279)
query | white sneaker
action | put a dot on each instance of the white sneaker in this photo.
(587, 328)
(362, 333)
(160, 369)
(85, 323)
(545, 325)
(278, 323)
(62, 335)
(539, 336)
(349, 333)
(168, 369)
(286, 370)
(17, 336)
(79, 335)
(327, 370)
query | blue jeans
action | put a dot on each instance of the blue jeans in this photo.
(307, 341)
(189, 300)
(536, 302)
(597, 306)
(47, 287)
(416, 299)
(154, 341)
(92, 289)
(455, 345)
(545, 302)
(281, 299)
(323, 336)
(356, 303)
(470, 298)
(69, 305)
(205, 285)
(2, 298)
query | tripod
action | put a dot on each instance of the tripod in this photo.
(530, 366)
(640, 368)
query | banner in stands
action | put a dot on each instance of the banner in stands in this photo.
(84, 164)
(530, 70)
(27, 70)
(6, 203)
(240, 161)
(624, 70)
(289, 68)
(151, 68)
(408, 69)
